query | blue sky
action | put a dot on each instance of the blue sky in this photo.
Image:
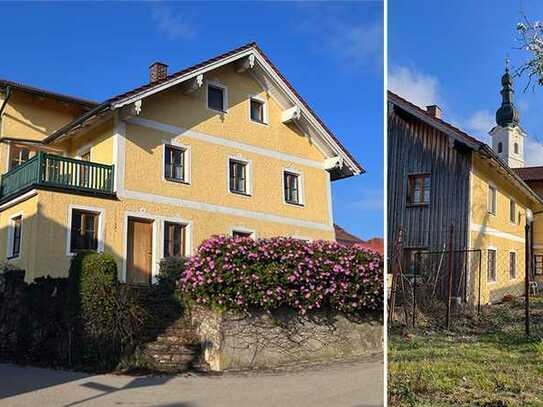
(332, 54)
(453, 55)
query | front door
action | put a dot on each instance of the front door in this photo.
(140, 251)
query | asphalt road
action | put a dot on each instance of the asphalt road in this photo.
(353, 384)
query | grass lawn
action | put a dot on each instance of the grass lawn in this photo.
(486, 361)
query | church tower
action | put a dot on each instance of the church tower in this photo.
(508, 137)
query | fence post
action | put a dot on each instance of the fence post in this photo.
(449, 285)
(527, 262)
(395, 275)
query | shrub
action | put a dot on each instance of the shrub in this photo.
(170, 271)
(240, 273)
(109, 314)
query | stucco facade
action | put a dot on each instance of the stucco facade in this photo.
(134, 145)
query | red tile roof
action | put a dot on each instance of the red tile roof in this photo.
(346, 238)
(530, 173)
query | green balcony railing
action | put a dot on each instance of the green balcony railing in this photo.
(56, 171)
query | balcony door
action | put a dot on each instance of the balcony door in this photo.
(139, 260)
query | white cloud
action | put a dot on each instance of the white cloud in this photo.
(357, 45)
(479, 124)
(416, 87)
(533, 152)
(173, 25)
(370, 200)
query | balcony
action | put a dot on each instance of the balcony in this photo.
(51, 171)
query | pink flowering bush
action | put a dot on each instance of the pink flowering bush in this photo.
(241, 273)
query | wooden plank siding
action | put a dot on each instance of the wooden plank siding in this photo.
(415, 147)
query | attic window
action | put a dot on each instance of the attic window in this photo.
(216, 98)
(257, 111)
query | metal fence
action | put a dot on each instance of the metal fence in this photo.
(451, 285)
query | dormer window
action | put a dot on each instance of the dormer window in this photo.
(216, 98)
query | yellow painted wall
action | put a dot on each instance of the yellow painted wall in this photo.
(209, 177)
(175, 108)
(98, 139)
(32, 117)
(500, 233)
(30, 238)
(49, 256)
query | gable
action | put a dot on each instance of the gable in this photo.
(175, 108)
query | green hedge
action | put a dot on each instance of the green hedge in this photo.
(108, 314)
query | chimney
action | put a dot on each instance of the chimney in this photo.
(434, 111)
(157, 71)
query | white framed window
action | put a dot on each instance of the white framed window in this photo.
(176, 237)
(15, 236)
(512, 265)
(293, 187)
(239, 176)
(240, 231)
(492, 195)
(85, 229)
(176, 162)
(491, 265)
(258, 110)
(18, 154)
(513, 211)
(216, 97)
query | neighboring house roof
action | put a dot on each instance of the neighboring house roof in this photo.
(463, 138)
(530, 173)
(346, 238)
(189, 73)
(4, 83)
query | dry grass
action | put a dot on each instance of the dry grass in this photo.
(486, 361)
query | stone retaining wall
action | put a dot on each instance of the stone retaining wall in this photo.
(259, 339)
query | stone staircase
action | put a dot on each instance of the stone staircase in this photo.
(174, 349)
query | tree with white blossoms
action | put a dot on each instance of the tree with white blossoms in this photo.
(530, 35)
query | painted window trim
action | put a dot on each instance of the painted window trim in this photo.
(495, 213)
(301, 188)
(516, 264)
(515, 222)
(243, 229)
(264, 102)
(248, 175)
(188, 234)
(101, 226)
(224, 88)
(187, 160)
(10, 233)
(495, 249)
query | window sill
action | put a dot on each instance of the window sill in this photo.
(13, 257)
(416, 205)
(260, 123)
(216, 110)
(241, 194)
(177, 181)
(297, 204)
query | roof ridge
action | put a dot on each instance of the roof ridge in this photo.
(45, 92)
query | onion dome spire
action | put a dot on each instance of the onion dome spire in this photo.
(507, 114)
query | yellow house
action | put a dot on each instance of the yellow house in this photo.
(224, 147)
